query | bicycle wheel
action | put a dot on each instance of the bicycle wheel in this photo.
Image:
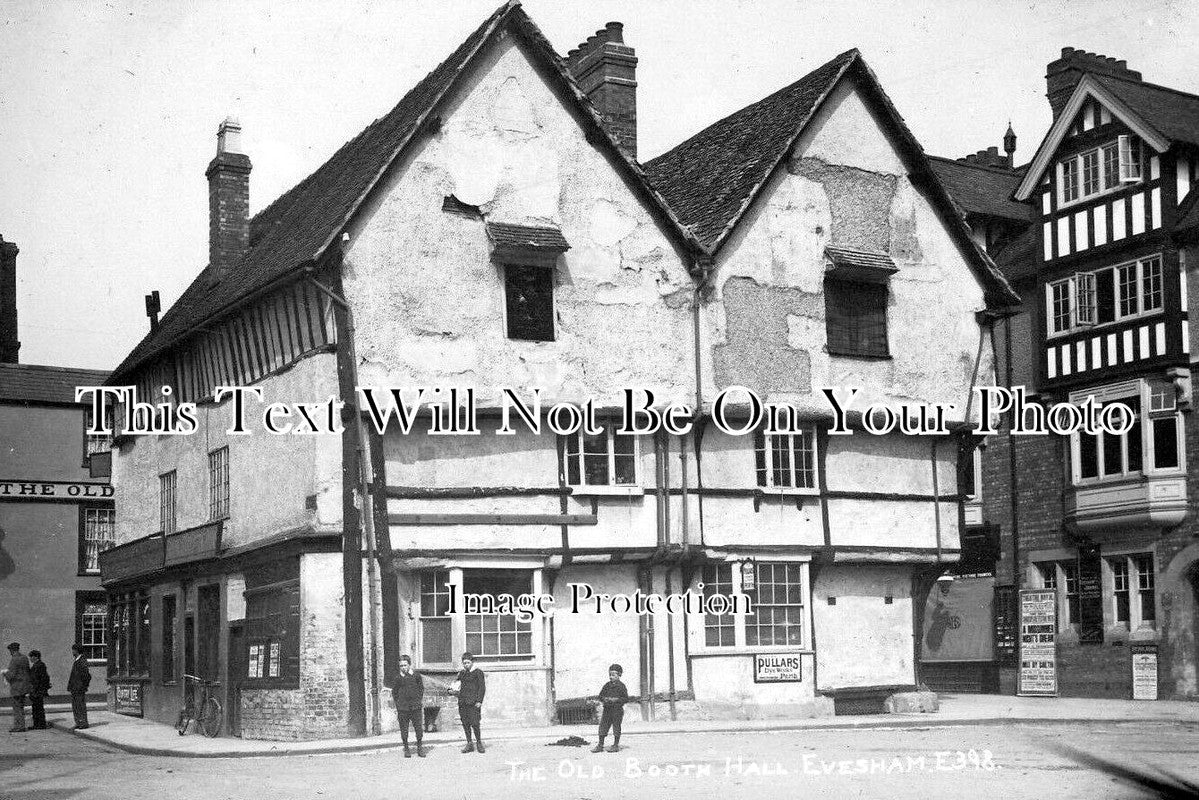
(211, 717)
(185, 718)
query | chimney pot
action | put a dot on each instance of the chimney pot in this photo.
(228, 136)
(615, 32)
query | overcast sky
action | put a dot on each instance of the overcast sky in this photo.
(108, 111)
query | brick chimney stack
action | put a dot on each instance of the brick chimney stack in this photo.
(9, 345)
(228, 201)
(605, 69)
(1063, 75)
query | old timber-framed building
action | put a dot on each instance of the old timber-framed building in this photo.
(495, 229)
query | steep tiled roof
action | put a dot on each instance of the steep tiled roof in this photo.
(1173, 114)
(29, 383)
(982, 190)
(1017, 260)
(299, 226)
(712, 177)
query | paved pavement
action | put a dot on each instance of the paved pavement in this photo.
(996, 761)
(144, 737)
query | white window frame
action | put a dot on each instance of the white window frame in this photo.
(582, 487)
(739, 647)
(1082, 297)
(1040, 568)
(809, 434)
(1143, 390)
(1136, 607)
(1130, 158)
(458, 622)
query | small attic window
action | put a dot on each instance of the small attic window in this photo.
(855, 302)
(527, 255)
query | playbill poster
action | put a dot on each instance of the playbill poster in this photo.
(1038, 642)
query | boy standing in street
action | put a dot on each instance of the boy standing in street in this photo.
(612, 697)
(39, 688)
(77, 685)
(408, 691)
(19, 682)
(471, 689)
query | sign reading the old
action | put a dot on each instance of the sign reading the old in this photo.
(777, 668)
(50, 491)
(1144, 672)
(1090, 596)
(1038, 642)
(128, 699)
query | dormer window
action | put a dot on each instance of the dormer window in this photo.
(527, 256)
(1100, 170)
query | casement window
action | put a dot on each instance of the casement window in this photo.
(1153, 445)
(1111, 294)
(1132, 596)
(91, 625)
(786, 460)
(170, 624)
(1062, 576)
(603, 459)
(856, 318)
(95, 443)
(778, 592)
(166, 502)
(97, 533)
(1101, 169)
(529, 302)
(129, 634)
(218, 484)
(446, 632)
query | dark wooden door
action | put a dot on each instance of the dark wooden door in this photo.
(189, 658)
(208, 632)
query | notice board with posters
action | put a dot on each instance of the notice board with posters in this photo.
(1038, 643)
(1144, 671)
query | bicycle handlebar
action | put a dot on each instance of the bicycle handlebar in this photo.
(199, 680)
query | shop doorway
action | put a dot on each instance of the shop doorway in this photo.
(237, 669)
(208, 632)
(189, 658)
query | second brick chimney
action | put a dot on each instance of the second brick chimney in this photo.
(606, 69)
(228, 201)
(1062, 75)
(9, 344)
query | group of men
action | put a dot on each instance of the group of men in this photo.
(27, 678)
(470, 687)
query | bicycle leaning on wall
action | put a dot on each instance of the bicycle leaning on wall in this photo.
(204, 710)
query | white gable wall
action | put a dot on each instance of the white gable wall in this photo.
(428, 301)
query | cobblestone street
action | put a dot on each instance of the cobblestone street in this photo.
(1002, 761)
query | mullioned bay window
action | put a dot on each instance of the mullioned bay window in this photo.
(1154, 444)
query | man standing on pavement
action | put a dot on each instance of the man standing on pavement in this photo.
(19, 685)
(471, 689)
(39, 688)
(408, 691)
(77, 685)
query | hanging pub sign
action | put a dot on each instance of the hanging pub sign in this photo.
(1038, 643)
(1144, 671)
(127, 699)
(777, 668)
(1090, 595)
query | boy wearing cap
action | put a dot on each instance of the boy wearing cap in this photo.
(612, 697)
(471, 689)
(408, 691)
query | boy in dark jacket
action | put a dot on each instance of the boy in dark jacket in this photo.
(613, 697)
(408, 691)
(40, 687)
(77, 684)
(471, 689)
